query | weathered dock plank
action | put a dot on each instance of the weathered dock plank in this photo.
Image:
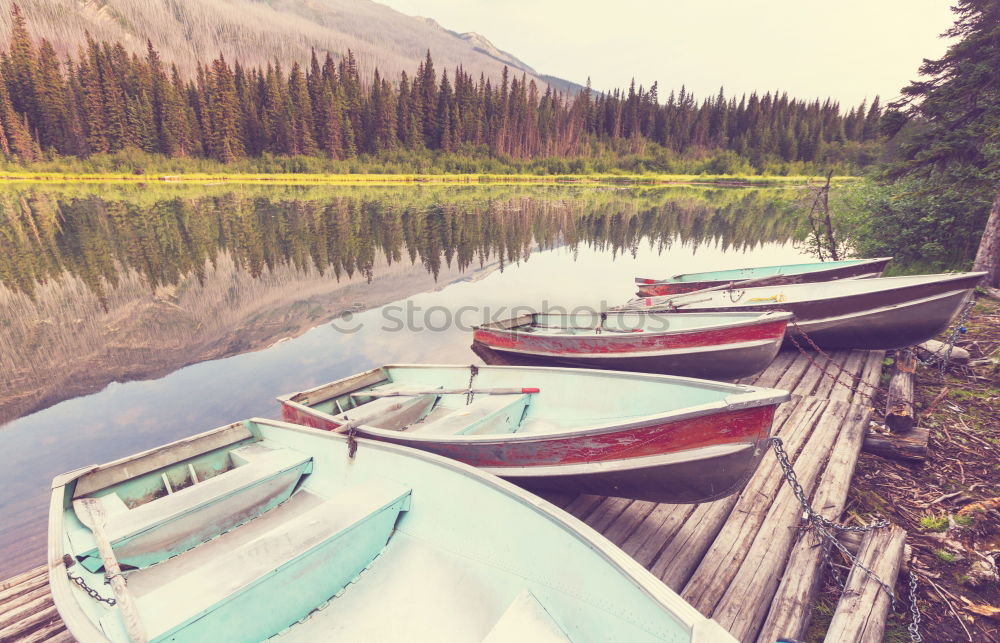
(789, 610)
(861, 612)
(27, 612)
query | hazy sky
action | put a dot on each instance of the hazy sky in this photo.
(849, 49)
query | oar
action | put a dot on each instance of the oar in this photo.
(90, 511)
(732, 284)
(449, 391)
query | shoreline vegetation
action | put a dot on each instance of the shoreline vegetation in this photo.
(294, 178)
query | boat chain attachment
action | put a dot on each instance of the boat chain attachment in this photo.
(942, 356)
(826, 528)
(93, 593)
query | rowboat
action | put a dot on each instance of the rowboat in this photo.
(879, 313)
(647, 437)
(798, 273)
(713, 345)
(262, 528)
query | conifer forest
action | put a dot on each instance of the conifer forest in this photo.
(105, 100)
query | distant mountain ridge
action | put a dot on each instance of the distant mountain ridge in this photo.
(256, 32)
(482, 45)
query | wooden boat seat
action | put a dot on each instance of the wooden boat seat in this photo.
(279, 573)
(526, 620)
(166, 526)
(486, 414)
(391, 413)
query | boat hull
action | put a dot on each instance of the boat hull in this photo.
(652, 461)
(879, 319)
(457, 552)
(695, 478)
(724, 362)
(726, 353)
(862, 270)
(894, 326)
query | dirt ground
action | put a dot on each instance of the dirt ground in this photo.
(949, 504)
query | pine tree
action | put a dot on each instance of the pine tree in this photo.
(301, 112)
(16, 138)
(958, 106)
(223, 140)
(23, 66)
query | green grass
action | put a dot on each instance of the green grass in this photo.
(292, 178)
(963, 521)
(945, 556)
(934, 523)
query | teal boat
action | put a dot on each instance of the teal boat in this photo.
(262, 528)
(763, 276)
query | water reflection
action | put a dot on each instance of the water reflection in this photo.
(134, 284)
(107, 284)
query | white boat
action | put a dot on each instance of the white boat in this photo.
(262, 528)
(877, 313)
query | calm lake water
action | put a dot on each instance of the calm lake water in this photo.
(133, 315)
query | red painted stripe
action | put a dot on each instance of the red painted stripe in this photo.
(733, 427)
(730, 427)
(609, 343)
(657, 290)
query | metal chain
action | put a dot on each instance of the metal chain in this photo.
(823, 526)
(90, 590)
(473, 371)
(959, 329)
(856, 379)
(914, 626)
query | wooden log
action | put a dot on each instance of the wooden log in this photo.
(606, 514)
(658, 528)
(847, 381)
(721, 555)
(793, 375)
(52, 631)
(911, 447)
(900, 416)
(8, 595)
(629, 521)
(25, 610)
(871, 375)
(790, 609)
(992, 293)
(934, 347)
(582, 505)
(863, 608)
(761, 565)
(40, 619)
(37, 572)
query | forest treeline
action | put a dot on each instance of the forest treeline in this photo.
(106, 101)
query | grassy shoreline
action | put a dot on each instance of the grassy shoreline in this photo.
(388, 179)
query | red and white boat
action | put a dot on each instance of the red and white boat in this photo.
(649, 437)
(721, 346)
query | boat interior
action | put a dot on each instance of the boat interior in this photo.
(566, 399)
(261, 528)
(595, 324)
(756, 296)
(764, 271)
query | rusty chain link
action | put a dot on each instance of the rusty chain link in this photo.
(93, 593)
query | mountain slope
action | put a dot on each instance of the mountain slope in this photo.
(256, 32)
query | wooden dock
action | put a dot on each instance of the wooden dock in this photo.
(741, 560)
